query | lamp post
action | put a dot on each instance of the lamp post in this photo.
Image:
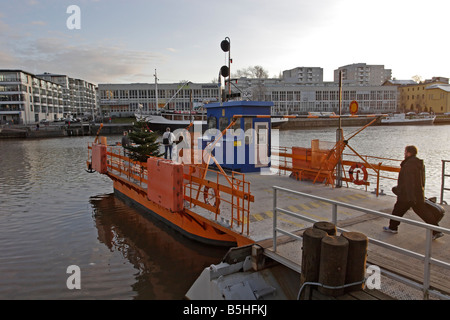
(226, 71)
(339, 136)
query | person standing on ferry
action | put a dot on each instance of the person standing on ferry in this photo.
(168, 139)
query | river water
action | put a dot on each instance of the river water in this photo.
(53, 214)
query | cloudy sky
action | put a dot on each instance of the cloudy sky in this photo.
(124, 41)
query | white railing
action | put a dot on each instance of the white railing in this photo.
(426, 258)
(443, 176)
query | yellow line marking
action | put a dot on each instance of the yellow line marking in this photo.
(342, 199)
(314, 204)
(323, 203)
(299, 225)
(344, 212)
(258, 217)
(269, 214)
(314, 216)
(304, 206)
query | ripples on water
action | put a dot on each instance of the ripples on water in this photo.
(54, 214)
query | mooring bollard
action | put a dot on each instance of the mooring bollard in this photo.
(312, 242)
(326, 226)
(356, 259)
(333, 264)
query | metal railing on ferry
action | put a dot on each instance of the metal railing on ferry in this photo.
(373, 170)
(426, 258)
(227, 196)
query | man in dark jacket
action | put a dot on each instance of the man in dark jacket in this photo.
(410, 192)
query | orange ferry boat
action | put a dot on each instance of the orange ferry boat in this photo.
(168, 191)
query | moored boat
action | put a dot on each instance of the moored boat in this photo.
(410, 118)
(159, 121)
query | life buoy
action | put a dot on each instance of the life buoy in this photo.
(211, 196)
(364, 171)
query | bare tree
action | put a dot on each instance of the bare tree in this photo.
(252, 72)
(417, 78)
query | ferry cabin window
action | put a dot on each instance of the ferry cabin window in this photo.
(223, 123)
(248, 126)
(212, 122)
(237, 125)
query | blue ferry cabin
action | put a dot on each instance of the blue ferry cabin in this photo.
(245, 147)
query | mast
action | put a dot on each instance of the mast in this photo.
(156, 91)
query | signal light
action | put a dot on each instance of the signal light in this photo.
(225, 71)
(225, 45)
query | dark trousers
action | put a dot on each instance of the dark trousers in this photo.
(168, 151)
(401, 207)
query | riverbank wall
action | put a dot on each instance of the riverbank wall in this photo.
(305, 123)
(91, 129)
(55, 131)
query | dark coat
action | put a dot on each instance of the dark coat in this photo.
(411, 181)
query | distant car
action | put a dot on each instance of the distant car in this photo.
(44, 121)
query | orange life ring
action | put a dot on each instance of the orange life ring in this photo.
(211, 196)
(364, 171)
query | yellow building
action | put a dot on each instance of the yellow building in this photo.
(429, 96)
(438, 98)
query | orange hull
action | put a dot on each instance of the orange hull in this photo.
(186, 222)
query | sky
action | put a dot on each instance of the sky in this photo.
(125, 41)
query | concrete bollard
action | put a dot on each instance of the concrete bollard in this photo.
(356, 259)
(328, 227)
(333, 264)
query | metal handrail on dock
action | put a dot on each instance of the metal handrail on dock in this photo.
(443, 188)
(426, 257)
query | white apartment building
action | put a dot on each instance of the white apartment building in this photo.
(361, 74)
(26, 98)
(79, 96)
(323, 97)
(299, 91)
(123, 100)
(303, 75)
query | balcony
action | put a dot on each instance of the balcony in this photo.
(10, 80)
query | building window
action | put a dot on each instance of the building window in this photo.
(223, 123)
(318, 95)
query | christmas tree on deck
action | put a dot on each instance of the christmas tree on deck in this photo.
(144, 144)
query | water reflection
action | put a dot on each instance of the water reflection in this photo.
(166, 262)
